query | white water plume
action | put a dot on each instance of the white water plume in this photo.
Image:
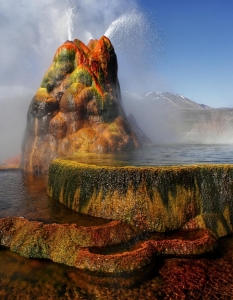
(70, 15)
(32, 31)
(137, 42)
(127, 28)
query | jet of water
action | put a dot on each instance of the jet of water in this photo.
(128, 27)
(135, 27)
(70, 15)
(137, 42)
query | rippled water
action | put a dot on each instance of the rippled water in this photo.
(209, 277)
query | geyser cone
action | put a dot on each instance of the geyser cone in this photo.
(77, 107)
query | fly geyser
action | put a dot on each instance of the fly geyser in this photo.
(121, 216)
(77, 107)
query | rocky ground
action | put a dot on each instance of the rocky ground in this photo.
(206, 278)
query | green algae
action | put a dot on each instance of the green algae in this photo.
(217, 222)
(65, 55)
(81, 75)
(155, 198)
(56, 74)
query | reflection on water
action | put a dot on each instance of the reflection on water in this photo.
(25, 195)
(209, 277)
(164, 155)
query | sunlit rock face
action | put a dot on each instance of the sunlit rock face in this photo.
(77, 107)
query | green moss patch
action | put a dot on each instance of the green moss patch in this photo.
(81, 75)
(155, 198)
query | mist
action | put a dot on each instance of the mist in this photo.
(31, 31)
(138, 43)
(169, 118)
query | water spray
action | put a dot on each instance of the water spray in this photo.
(70, 15)
(134, 28)
(137, 42)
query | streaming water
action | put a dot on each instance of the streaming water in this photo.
(70, 14)
(209, 277)
(134, 26)
(138, 43)
(130, 25)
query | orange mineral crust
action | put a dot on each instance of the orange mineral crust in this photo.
(77, 108)
(89, 248)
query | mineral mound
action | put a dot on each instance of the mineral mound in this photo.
(77, 107)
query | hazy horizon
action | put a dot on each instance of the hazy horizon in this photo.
(182, 47)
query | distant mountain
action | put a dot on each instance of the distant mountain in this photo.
(172, 118)
(173, 101)
(163, 117)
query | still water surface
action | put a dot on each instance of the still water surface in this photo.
(209, 277)
(25, 195)
(165, 155)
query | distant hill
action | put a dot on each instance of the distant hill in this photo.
(173, 101)
(163, 117)
(170, 118)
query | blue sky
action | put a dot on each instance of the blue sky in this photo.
(197, 60)
(188, 44)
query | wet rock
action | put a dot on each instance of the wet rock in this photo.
(87, 248)
(77, 107)
(159, 199)
(178, 278)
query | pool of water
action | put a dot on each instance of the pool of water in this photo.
(164, 155)
(208, 277)
(25, 195)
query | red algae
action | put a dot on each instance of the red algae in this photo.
(209, 277)
(71, 244)
(125, 263)
(79, 92)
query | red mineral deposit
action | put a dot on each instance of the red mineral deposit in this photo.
(77, 107)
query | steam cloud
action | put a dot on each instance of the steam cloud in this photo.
(31, 31)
